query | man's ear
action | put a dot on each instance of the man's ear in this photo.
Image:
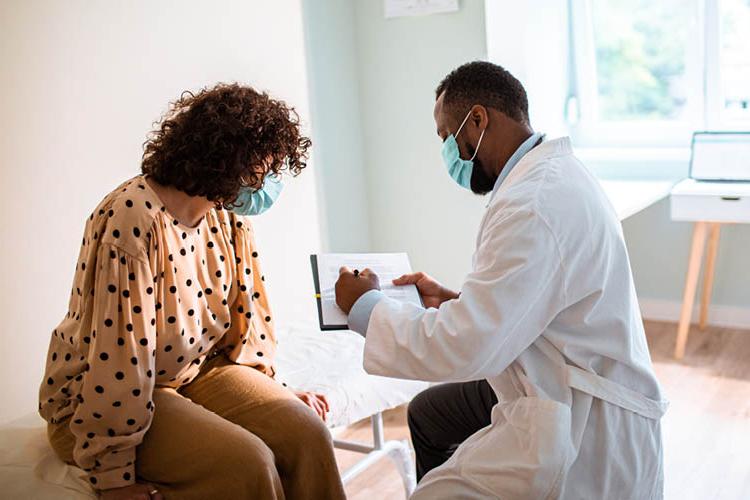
(480, 116)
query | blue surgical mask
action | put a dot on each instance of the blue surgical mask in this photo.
(257, 201)
(459, 169)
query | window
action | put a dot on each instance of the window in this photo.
(641, 55)
(650, 72)
(735, 60)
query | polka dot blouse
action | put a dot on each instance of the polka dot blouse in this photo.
(151, 299)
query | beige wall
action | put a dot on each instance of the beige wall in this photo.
(80, 84)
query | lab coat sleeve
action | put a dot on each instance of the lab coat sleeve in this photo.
(359, 316)
(515, 290)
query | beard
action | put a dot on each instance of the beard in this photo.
(480, 182)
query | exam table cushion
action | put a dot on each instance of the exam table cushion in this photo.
(330, 363)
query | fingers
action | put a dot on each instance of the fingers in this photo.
(408, 279)
(320, 409)
(313, 403)
(324, 400)
(153, 496)
(344, 270)
(317, 402)
(368, 273)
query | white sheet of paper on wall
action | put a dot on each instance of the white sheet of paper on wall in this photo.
(402, 8)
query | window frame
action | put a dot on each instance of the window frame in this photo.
(703, 73)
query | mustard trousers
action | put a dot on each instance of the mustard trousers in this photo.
(231, 433)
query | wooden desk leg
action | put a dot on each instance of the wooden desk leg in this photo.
(708, 272)
(691, 282)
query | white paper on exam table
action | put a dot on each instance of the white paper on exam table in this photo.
(387, 266)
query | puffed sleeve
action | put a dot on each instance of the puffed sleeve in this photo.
(115, 406)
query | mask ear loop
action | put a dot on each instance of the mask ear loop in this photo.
(480, 136)
(462, 124)
(478, 144)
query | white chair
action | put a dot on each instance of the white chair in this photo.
(307, 359)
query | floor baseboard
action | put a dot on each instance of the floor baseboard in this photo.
(718, 315)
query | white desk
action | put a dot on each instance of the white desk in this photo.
(630, 197)
(708, 205)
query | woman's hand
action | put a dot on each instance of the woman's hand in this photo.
(433, 293)
(137, 491)
(316, 401)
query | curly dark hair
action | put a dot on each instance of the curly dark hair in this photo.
(485, 83)
(224, 138)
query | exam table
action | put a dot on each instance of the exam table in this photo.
(307, 359)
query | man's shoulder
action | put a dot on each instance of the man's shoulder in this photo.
(559, 190)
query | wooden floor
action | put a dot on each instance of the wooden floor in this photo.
(706, 429)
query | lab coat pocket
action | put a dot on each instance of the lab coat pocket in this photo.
(525, 452)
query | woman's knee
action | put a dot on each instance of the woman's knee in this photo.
(248, 464)
(305, 435)
(310, 428)
(241, 455)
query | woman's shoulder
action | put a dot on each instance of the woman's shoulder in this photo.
(125, 217)
(238, 229)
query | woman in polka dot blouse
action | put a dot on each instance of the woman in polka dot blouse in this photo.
(160, 378)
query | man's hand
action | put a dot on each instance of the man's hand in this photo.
(433, 293)
(137, 491)
(316, 401)
(351, 286)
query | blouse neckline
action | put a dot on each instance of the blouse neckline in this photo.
(175, 221)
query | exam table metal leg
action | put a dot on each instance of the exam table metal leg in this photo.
(398, 451)
(691, 282)
(404, 461)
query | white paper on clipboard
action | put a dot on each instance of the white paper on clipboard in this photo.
(387, 266)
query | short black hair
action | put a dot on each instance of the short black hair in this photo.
(481, 82)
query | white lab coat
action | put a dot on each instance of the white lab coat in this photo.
(550, 318)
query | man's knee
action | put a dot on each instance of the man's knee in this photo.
(420, 408)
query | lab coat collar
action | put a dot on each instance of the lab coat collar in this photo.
(519, 153)
(528, 153)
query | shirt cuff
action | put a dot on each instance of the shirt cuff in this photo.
(114, 478)
(359, 315)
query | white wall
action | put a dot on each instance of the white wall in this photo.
(81, 83)
(414, 204)
(335, 114)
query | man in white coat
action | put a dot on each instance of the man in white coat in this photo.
(553, 393)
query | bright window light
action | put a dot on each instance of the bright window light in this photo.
(650, 72)
(735, 59)
(641, 51)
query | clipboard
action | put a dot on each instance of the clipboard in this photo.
(386, 265)
(318, 298)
